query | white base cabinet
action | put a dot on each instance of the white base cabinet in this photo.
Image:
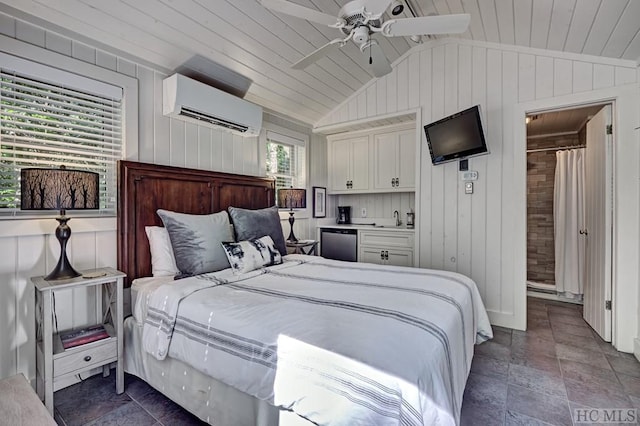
(386, 247)
(396, 257)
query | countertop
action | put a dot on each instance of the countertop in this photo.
(368, 227)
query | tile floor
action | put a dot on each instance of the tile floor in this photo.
(537, 377)
(540, 376)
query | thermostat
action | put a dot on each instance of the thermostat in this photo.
(469, 175)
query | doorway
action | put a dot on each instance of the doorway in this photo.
(569, 188)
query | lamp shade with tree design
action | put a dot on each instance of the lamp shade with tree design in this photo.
(292, 198)
(59, 189)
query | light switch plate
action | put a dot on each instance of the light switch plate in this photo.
(468, 187)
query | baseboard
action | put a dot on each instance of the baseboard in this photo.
(551, 296)
(636, 348)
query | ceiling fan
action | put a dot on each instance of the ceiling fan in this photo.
(359, 20)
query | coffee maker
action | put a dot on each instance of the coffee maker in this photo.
(344, 215)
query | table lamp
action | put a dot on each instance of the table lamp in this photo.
(59, 189)
(292, 198)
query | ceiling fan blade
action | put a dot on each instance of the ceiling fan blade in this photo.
(332, 46)
(378, 62)
(301, 12)
(377, 7)
(423, 25)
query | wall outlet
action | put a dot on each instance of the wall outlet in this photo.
(363, 212)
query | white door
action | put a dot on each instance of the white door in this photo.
(598, 195)
(340, 157)
(385, 147)
(370, 255)
(360, 163)
(399, 257)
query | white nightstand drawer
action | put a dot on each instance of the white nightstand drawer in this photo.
(86, 356)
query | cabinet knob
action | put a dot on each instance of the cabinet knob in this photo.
(397, 181)
(87, 358)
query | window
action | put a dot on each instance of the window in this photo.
(286, 160)
(49, 124)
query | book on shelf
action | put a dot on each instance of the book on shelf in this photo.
(74, 338)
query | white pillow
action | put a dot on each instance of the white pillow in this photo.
(163, 262)
(245, 256)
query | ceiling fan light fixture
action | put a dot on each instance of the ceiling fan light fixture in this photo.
(397, 8)
(361, 35)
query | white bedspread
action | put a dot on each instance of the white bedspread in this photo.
(336, 342)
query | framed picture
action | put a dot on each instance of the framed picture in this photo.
(319, 201)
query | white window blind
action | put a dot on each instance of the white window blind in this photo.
(286, 160)
(43, 124)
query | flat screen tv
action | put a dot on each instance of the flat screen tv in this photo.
(457, 136)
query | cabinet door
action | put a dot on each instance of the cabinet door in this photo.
(385, 147)
(400, 257)
(406, 159)
(360, 163)
(370, 255)
(340, 157)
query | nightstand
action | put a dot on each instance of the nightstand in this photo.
(53, 362)
(304, 246)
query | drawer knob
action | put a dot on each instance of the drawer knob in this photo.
(87, 358)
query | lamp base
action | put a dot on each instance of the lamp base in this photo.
(291, 237)
(63, 270)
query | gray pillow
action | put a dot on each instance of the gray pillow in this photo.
(252, 224)
(196, 240)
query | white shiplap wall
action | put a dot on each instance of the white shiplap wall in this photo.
(29, 247)
(483, 235)
(378, 206)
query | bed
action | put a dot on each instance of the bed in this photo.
(307, 341)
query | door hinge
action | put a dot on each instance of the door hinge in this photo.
(609, 129)
(607, 305)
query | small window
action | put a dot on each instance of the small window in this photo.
(286, 160)
(44, 124)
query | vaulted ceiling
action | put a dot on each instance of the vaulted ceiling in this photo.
(261, 45)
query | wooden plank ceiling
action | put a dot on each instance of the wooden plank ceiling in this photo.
(260, 45)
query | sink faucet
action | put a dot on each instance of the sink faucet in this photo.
(396, 215)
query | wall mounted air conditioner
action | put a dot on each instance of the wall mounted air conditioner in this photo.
(197, 102)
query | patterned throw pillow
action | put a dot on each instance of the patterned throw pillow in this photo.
(246, 256)
(252, 224)
(196, 239)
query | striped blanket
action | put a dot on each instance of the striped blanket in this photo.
(335, 342)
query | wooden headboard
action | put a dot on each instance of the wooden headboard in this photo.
(145, 188)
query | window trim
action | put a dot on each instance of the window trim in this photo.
(83, 70)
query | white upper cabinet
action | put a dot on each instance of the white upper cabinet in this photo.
(349, 165)
(395, 162)
(374, 160)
